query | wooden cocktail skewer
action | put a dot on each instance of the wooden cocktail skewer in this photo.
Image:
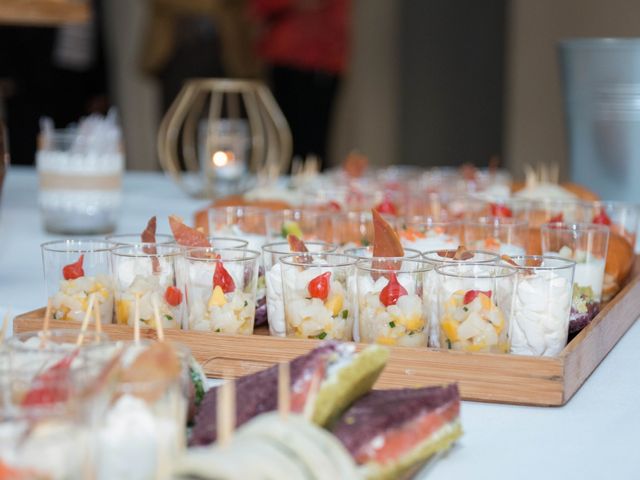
(284, 390)
(5, 325)
(156, 315)
(45, 324)
(226, 411)
(98, 321)
(136, 320)
(311, 398)
(85, 321)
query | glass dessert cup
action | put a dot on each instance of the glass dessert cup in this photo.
(271, 255)
(42, 349)
(146, 274)
(444, 257)
(352, 229)
(221, 286)
(540, 320)
(305, 224)
(427, 234)
(134, 239)
(475, 305)
(503, 235)
(622, 220)
(367, 252)
(392, 308)
(319, 295)
(143, 428)
(246, 223)
(585, 244)
(47, 422)
(550, 211)
(73, 271)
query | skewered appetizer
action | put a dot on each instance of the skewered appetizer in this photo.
(390, 304)
(389, 432)
(70, 302)
(323, 383)
(147, 277)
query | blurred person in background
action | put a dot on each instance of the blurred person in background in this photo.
(55, 72)
(197, 38)
(305, 45)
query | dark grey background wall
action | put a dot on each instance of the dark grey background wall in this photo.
(452, 59)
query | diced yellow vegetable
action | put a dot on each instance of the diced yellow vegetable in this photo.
(450, 329)
(412, 323)
(122, 312)
(485, 301)
(476, 347)
(386, 340)
(334, 304)
(217, 297)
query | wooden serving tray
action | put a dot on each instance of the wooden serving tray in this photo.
(482, 377)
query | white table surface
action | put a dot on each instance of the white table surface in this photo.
(595, 436)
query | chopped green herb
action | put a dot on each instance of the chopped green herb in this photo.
(217, 330)
(246, 303)
(392, 324)
(283, 231)
(411, 333)
(448, 343)
(197, 384)
(466, 309)
(364, 242)
(322, 336)
(345, 314)
(168, 317)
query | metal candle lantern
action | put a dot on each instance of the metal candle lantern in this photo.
(218, 130)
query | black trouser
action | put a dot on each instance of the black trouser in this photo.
(306, 98)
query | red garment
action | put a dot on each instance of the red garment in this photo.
(305, 34)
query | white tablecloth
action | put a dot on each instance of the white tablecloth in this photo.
(594, 437)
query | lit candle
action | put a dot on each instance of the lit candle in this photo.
(225, 165)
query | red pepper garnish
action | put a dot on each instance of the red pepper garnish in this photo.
(387, 207)
(601, 218)
(390, 294)
(54, 380)
(73, 270)
(557, 218)
(334, 206)
(173, 296)
(499, 210)
(223, 279)
(319, 286)
(471, 295)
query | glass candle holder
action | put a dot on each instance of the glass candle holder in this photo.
(622, 220)
(426, 234)
(475, 304)
(271, 255)
(391, 302)
(143, 429)
(319, 294)
(352, 229)
(134, 239)
(221, 286)
(585, 244)
(147, 273)
(304, 224)
(73, 271)
(504, 235)
(540, 321)
(447, 257)
(80, 180)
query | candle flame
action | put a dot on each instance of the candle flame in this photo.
(222, 158)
